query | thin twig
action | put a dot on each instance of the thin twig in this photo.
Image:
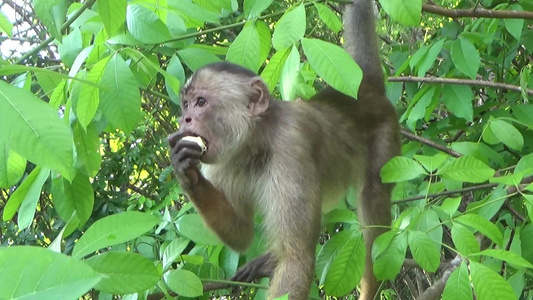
(447, 193)
(430, 143)
(477, 12)
(439, 80)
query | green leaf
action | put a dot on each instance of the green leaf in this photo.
(192, 226)
(89, 98)
(290, 28)
(526, 239)
(28, 191)
(425, 251)
(272, 72)
(265, 42)
(73, 198)
(431, 163)
(113, 13)
(88, 148)
(119, 96)
(5, 25)
(406, 12)
(458, 285)
(487, 228)
(464, 240)
(245, 49)
(31, 197)
(458, 99)
(334, 65)
(52, 14)
(114, 230)
(37, 273)
(466, 58)
(195, 58)
(346, 267)
(431, 225)
(524, 114)
(290, 75)
(124, 272)
(254, 8)
(489, 285)
(507, 134)
(466, 168)
(145, 25)
(525, 164)
(71, 47)
(426, 59)
(185, 283)
(514, 26)
(34, 130)
(507, 256)
(340, 216)
(189, 10)
(173, 251)
(401, 168)
(12, 167)
(389, 261)
(328, 17)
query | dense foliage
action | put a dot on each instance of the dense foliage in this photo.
(89, 93)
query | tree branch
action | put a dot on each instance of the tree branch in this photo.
(438, 80)
(430, 143)
(476, 12)
(436, 289)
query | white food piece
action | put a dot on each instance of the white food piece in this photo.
(198, 140)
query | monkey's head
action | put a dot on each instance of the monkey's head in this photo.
(222, 103)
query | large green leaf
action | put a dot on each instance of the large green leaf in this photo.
(388, 254)
(119, 96)
(29, 192)
(195, 58)
(73, 198)
(346, 266)
(12, 166)
(401, 169)
(458, 99)
(173, 251)
(52, 14)
(465, 57)
(272, 72)
(486, 227)
(190, 10)
(489, 285)
(466, 168)
(245, 50)
(507, 134)
(192, 226)
(113, 230)
(89, 97)
(34, 130)
(145, 25)
(254, 8)
(406, 12)
(334, 65)
(113, 13)
(328, 17)
(290, 28)
(464, 240)
(34, 273)
(507, 256)
(87, 147)
(124, 272)
(185, 283)
(458, 285)
(425, 251)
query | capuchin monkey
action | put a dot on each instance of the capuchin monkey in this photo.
(284, 158)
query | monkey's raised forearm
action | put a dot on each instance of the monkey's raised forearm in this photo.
(234, 230)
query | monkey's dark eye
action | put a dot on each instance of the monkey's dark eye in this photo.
(201, 102)
(185, 104)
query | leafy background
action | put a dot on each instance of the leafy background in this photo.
(88, 95)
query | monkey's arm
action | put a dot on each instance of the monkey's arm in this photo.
(234, 229)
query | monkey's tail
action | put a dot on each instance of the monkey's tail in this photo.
(361, 41)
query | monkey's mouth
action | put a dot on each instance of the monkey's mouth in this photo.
(206, 142)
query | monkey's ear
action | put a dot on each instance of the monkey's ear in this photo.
(260, 100)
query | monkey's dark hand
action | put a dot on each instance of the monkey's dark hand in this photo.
(185, 158)
(260, 267)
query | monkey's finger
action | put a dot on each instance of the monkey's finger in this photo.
(187, 144)
(184, 153)
(174, 138)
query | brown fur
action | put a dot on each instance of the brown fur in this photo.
(285, 158)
